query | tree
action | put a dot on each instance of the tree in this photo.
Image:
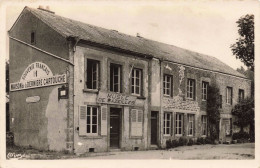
(213, 104)
(250, 75)
(243, 49)
(245, 113)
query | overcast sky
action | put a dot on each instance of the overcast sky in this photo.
(207, 27)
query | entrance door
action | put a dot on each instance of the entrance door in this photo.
(154, 116)
(114, 127)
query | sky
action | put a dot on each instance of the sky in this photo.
(207, 27)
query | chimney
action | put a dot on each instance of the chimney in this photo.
(138, 35)
(47, 9)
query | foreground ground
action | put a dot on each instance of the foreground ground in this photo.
(195, 152)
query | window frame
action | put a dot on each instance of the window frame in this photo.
(133, 80)
(204, 89)
(191, 116)
(97, 62)
(191, 89)
(220, 101)
(229, 97)
(111, 76)
(165, 82)
(91, 121)
(165, 121)
(33, 37)
(177, 121)
(239, 95)
(204, 125)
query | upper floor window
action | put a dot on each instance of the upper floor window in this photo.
(241, 95)
(220, 101)
(167, 124)
(229, 95)
(167, 85)
(92, 74)
(191, 89)
(32, 37)
(115, 78)
(92, 120)
(136, 81)
(204, 90)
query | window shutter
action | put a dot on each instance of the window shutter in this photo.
(139, 124)
(103, 120)
(82, 120)
(136, 122)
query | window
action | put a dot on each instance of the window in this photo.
(241, 95)
(220, 101)
(229, 95)
(204, 90)
(115, 78)
(191, 124)
(92, 74)
(167, 124)
(92, 120)
(179, 124)
(191, 89)
(204, 125)
(136, 81)
(167, 85)
(32, 37)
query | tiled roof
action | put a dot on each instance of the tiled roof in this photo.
(68, 27)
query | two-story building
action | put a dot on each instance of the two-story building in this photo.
(82, 88)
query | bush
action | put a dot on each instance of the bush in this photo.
(200, 141)
(175, 143)
(240, 135)
(209, 140)
(190, 142)
(168, 144)
(183, 141)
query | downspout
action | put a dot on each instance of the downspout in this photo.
(72, 41)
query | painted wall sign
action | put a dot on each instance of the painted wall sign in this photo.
(177, 103)
(37, 75)
(33, 99)
(36, 70)
(49, 81)
(116, 98)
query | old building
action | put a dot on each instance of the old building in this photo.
(82, 88)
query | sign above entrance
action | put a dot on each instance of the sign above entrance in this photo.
(37, 75)
(116, 98)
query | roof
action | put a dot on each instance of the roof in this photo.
(68, 27)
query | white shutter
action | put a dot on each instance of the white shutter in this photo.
(82, 120)
(136, 122)
(139, 124)
(103, 120)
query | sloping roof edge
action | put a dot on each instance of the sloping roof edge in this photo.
(122, 49)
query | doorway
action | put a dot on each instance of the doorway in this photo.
(115, 116)
(154, 121)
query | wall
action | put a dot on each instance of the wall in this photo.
(43, 124)
(179, 102)
(84, 96)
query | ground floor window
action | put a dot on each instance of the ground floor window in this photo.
(92, 120)
(167, 124)
(179, 124)
(190, 124)
(204, 125)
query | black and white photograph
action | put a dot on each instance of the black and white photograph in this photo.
(94, 81)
